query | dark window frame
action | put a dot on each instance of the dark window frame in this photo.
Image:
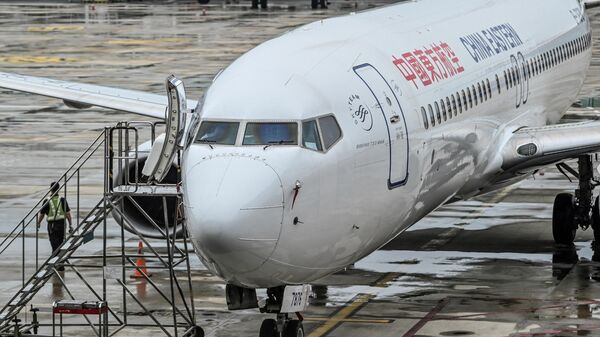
(431, 115)
(438, 114)
(444, 112)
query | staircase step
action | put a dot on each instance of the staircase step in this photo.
(42, 274)
(155, 190)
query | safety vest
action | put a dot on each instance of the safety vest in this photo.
(56, 211)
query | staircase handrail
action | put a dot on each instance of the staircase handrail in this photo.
(65, 177)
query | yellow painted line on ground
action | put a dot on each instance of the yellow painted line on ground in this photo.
(341, 315)
(54, 28)
(350, 320)
(141, 42)
(18, 59)
(384, 281)
(502, 194)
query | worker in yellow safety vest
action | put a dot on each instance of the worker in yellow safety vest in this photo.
(57, 210)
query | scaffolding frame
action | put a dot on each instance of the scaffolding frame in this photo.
(120, 144)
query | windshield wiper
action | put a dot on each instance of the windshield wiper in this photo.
(278, 142)
(207, 141)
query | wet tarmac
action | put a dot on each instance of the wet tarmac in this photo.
(485, 267)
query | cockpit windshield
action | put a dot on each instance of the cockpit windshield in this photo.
(316, 134)
(271, 134)
(223, 133)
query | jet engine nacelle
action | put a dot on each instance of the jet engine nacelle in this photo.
(137, 209)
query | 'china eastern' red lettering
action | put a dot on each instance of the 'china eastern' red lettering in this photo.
(426, 66)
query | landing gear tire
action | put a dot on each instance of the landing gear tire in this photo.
(268, 328)
(198, 332)
(315, 4)
(293, 329)
(563, 219)
(263, 4)
(596, 220)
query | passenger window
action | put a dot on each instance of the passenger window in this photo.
(437, 112)
(506, 80)
(474, 94)
(431, 116)
(459, 109)
(449, 107)
(489, 88)
(444, 113)
(498, 84)
(271, 134)
(310, 136)
(481, 92)
(425, 121)
(464, 96)
(485, 93)
(222, 133)
(330, 131)
(570, 49)
(560, 54)
(470, 98)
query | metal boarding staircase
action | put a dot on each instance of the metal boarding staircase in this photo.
(119, 146)
(37, 281)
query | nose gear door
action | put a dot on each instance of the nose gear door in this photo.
(388, 104)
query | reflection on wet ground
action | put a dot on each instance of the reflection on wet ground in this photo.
(485, 267)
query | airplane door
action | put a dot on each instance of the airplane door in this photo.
(393, 116)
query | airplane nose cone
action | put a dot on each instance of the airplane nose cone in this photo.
(234, 208)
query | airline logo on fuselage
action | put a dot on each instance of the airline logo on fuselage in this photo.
(427, 66)
(491, 41)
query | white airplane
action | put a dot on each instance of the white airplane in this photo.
(318, 147)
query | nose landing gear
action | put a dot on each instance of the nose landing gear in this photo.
(283, 326)
(283, 301)
(579, 210)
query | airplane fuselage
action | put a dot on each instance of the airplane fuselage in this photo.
(425, 94)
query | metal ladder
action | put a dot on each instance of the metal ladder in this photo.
(117, 147)
(49, 267)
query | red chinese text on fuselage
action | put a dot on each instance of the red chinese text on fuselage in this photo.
(424, 67)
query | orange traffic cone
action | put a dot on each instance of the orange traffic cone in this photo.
(140, 263)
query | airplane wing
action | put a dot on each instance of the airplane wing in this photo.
(530, 148)
(81, 95)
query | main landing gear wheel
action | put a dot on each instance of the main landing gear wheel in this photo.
(293, 329)
(563, 219)
(269, 328)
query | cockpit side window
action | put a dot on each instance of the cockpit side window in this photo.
(223, 133)
(310, 136)
(330, 131)
(271, 134)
